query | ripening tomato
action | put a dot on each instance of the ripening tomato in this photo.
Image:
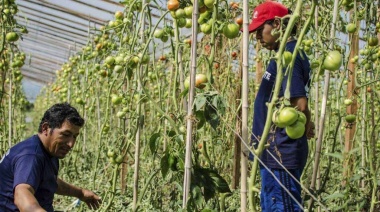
(239, 20)
(119, 15)
(200, 80)
(173, 5)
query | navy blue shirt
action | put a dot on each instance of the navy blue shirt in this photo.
(28, 163)
(291, 153)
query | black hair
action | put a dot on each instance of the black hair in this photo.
(59, 113)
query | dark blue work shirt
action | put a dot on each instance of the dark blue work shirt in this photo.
(28, 163)
(291, 153)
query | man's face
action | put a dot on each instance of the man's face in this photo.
(265, 37)
(61, 140)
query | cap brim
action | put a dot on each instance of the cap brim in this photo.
(252, 27)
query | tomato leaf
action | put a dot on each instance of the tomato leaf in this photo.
(211, 182)
(153, 141)
(170, 133)
(199, 102)
(211, 116)
(165, 165)
(220, 183)
(335, 155)
(334, 196)
(219, 104)
(197, 195)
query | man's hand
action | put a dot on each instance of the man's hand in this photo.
(310, 127)
(92, 200)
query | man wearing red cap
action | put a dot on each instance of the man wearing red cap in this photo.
(285, 157)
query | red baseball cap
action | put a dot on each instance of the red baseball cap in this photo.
(266, 11)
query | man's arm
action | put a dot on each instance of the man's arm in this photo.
(25, 200)
(90, 198)
(301, 104)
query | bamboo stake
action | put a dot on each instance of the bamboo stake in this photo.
(10, 111)
(316, 104)
(189, 121)
(237, 142)
(318, 148)
(139, 121)
(244, 110)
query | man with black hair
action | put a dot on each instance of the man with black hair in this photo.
(285, 158)
(29, 170)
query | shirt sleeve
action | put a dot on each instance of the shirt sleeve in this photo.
(28, 169)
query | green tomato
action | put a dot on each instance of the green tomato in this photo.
(287, 116)
(301, 117)
(332, 61)
(209, 3)
(11, 37)
(231, 30)
(180, 13)
(189, 23)
(287, 58)
(188, 11)
(158, 33)
(181, 22)
(348, 102)
(351, 28)
(296, 130)
(109, 60)
(116, 100)
(350, 118)
(373, 41)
